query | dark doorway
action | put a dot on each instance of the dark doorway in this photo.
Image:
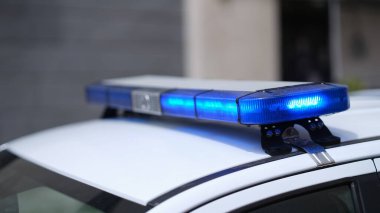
(305, 40)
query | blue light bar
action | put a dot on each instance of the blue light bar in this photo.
(219, 105)
(96, 93)
(292, 103)
(257, 107)
(120, 97)
(180, 103)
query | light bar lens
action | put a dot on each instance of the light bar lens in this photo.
(96, 93)
(292, 103)
(218, 105)
(120, 97)
(180, 103)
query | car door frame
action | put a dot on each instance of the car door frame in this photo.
(275, 190)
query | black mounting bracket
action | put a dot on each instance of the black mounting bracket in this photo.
(110, 112)
(272, 135)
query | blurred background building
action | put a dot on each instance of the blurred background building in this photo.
(304, 40)
(50, 49)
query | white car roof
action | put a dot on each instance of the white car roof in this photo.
(140, 159)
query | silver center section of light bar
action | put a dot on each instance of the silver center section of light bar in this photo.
(146, 101)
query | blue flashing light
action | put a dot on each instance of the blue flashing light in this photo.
(96, 93)
(305, 103)
(179, 102)
(120, 97)
(292, 103)
(219, 105)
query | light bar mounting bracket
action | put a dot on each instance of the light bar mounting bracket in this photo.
(272, 137)
(110, 112)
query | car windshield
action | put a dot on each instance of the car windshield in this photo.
(26, 187)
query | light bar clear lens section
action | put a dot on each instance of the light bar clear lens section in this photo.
(218, 105)
(146, 101)
(292, 103)
(180, 103)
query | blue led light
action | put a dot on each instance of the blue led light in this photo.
(292, 103)
(179, 102)
(305, 102)
(218, 105)
(96, 93)
(120, 97)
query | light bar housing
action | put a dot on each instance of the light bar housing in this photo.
(292, 103)
(267, 106)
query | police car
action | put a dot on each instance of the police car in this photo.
(167, 144)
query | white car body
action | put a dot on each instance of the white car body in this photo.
(178, 165)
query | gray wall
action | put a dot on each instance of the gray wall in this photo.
(49, 50)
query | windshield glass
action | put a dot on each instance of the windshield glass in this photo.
(26, 187)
